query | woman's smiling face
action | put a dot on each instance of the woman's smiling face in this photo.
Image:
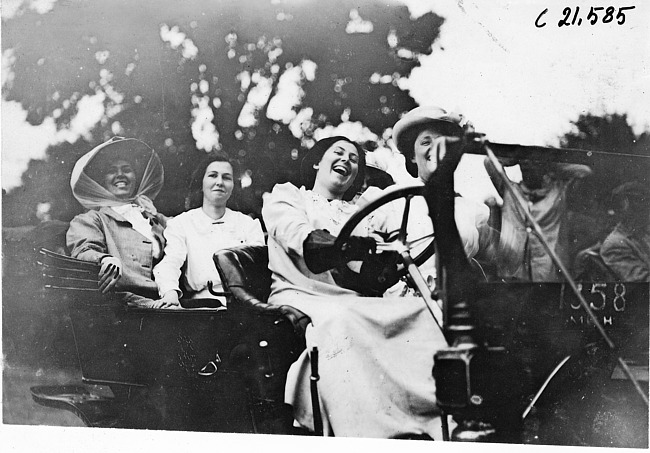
(120, 178)
(425, 152)
(218, 183)
(338, 168)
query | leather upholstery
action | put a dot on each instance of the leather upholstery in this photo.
(244, 272)
(271, 337)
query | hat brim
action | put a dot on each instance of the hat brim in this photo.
(425, 115)
(134, 151)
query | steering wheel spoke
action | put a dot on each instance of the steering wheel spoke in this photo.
(405, 218)
(413, 242)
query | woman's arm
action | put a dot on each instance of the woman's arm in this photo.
(85, 238)
(285, 217)
(86, 241)
(494, 176)
(168, 271)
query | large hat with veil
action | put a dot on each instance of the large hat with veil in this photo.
(85, 180)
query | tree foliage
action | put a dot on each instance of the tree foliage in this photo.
(613, 134)
(231, 52)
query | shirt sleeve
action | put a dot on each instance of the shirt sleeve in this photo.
(254, 233)
(85, 238)
(286, 218)
(167, 272)
(492, 172)
(471, 218)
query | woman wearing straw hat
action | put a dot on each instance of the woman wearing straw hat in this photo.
(121, 231)
(422, 135)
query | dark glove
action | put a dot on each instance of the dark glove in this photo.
(378, 273)
(357, 248)
(320, 253)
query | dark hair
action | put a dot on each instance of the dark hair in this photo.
(411, 134)
(314, 156)
(194, 198)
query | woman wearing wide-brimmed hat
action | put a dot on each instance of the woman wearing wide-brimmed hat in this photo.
(423, 135)
(117, 182)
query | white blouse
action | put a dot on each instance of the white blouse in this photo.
(192, 238)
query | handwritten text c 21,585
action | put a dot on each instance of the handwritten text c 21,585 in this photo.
(596, 15)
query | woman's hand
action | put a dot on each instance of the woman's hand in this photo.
(168, 300)
(109, 273)
(378, 273)
(359, 248)
(321, 255)
(145, 203)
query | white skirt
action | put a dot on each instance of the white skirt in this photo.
(375, 365)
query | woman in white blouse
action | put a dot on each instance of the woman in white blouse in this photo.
(376, 353)
(194, 236)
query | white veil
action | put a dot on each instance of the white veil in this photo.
(91, 194)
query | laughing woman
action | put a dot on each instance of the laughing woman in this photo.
(376, 353)
(121, 231)
(193, 236)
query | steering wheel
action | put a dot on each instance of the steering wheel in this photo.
(398, 240)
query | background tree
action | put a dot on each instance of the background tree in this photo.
(190, 76)
(613, 134)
